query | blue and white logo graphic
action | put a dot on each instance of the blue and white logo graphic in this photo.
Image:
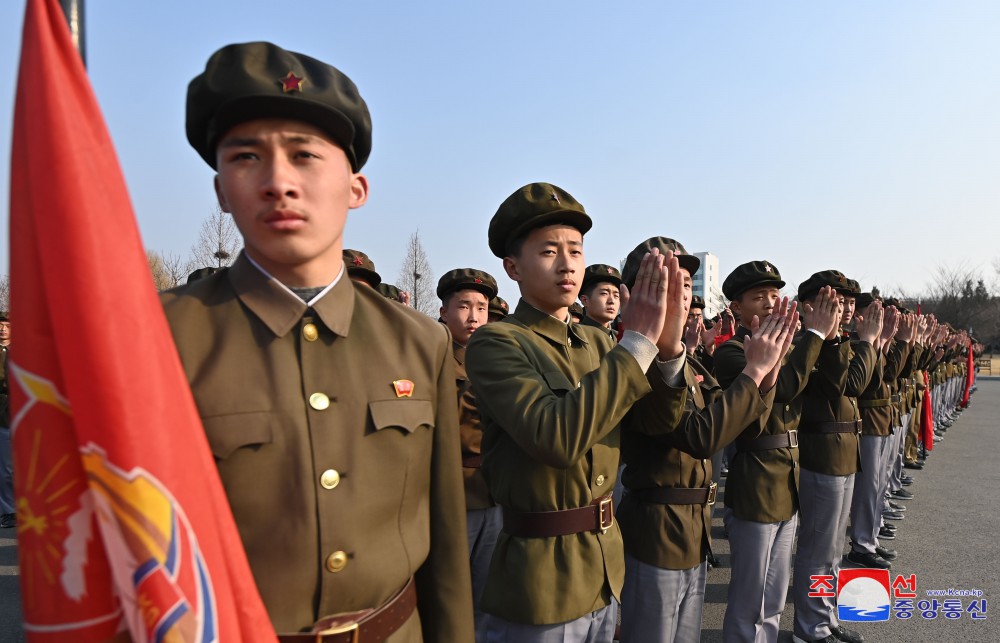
(863, 595)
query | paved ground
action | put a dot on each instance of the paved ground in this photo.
(948, 539)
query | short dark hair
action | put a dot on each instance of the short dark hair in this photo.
(516, 245)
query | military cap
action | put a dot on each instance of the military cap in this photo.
(4, 316)
(498, 306)
(833, 278)
(697, 302)
(389, 291)
(201, 273)
(576, 310)
(854, 288)
(864, 300)
(535, 205)
(896, 303)
(688, 262)
(247, 81)
(601, 272)
(359, 266)
(466, 279)
(751, 275)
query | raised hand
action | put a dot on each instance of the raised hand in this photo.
(692, 333)
(644, 306)
(669, 343)
(890, 323)
(768, 341)
(869, 325)
(823, 315)
(404, 298)
(772, 376)
(907, 328)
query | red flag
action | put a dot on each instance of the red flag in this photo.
(927, 416)
(970, 376)
(121, 518)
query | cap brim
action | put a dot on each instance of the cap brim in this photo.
(572, 218)
(601, 278)
(690, 263)
(779, 284)
(373, 278)
(484, 289)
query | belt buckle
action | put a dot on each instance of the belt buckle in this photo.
(713, 490)
(352, 628)
(605, 509)
(793, 439)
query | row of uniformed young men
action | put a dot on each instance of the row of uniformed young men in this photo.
(860, 401)
(332, 412)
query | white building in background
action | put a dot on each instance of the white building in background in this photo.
(707, 283)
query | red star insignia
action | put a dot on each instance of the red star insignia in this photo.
(767, 267)
(357, 261)
(504, 306)
(611, 270)
(478, 280)
(291, 83)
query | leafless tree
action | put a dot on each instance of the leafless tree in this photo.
(218, 241)
(168, 269)
(416, 278)
(5, 293)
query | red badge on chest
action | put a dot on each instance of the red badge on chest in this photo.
(404, 388)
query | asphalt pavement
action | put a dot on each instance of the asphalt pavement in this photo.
(948, 539)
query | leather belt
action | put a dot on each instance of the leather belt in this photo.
(678, 495)
(597, 516)
(874, 404)
(831, 427)
(896, 398)
(365, 626)
(766, 442)
(472, 462)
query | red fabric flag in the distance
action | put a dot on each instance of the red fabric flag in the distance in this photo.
(122, 519)
(970, 376)
(927, 416)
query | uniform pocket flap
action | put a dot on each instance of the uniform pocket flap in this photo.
(403, 414)
(557, 381)
(227, 433)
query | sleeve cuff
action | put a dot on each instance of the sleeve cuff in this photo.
(817, 333)
(639, 347)
(672, 370)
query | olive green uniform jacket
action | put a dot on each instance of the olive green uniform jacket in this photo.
(342, 489)
(551, 396)
(879, 414)
(661, 451)
(470, 427)
(763, 485)
(841, 374)
(587, 321)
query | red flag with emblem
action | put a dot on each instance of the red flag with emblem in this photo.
(970, 376)
(122, 520)
(927, 416)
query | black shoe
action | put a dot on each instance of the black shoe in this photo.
(886, 534)
(892, 515)
(901, 494)
(8, 521)
(826, 639)
(889, 526)
(865, 559)
(913, 465)
(895, 506)
(887, 554)
(713, 561)
(847, 636)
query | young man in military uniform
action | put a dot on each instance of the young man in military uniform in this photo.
(330, 410)
(498, 309)
(465, 294)
(762, 487)
(601, 297)
(551, 395)
(666, 511)
(829, 458)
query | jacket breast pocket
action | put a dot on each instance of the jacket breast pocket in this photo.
(403, 415)
(228, 433)
(558, 382)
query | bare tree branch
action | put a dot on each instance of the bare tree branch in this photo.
(416, 278)
(5, 293)
(218, 242)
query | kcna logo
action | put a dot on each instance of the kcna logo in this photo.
(863, 595)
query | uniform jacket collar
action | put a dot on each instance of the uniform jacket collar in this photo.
(546, 325)
(280, 309)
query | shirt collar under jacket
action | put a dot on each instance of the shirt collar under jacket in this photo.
(280, 309)
(546, 325)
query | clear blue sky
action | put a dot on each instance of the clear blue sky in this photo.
(863, 136)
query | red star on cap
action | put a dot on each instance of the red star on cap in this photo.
(357, 261)
(611, 270)
(478, 280)
(291, 83)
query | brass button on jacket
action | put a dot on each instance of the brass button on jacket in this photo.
(319, 401)
(310, 332)
(330, 479)
(336, 561)
(600, 480)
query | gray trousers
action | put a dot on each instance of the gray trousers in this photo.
(896, 458)
(595, 627)
(869, 492)
(6, 472)
(824, 506)
(662, 605)
(483, 527)
(761, 561)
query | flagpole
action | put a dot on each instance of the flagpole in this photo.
(73, 9)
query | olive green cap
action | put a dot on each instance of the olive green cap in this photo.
(535, 205)
(359, 266)
(833, 278)
(688, 262)
(863, 300)
(599, 272)
(751, 275)
(891, 301)
(466, 279)
(201, 273)
(697, 302)
(247, 81)
(576, 309)
(853, 288)
(498, 306)
(389, 291)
